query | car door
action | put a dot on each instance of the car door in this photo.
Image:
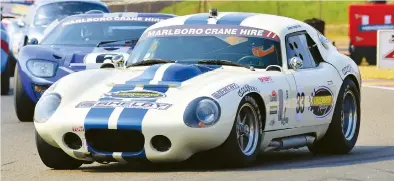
(314, 93)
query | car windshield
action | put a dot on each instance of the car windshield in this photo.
(46, 14)
(90, 31)
(192, 43)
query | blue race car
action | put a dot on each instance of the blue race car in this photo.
(74, 44)
(5, 68)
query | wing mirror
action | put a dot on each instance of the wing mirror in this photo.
(33, 41)
(21, 24)
(116, 62)
(295, 63)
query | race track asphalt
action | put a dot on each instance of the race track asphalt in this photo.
(372, 159)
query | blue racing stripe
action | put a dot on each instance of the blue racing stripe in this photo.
(98, 117)
(234, 18)
(197, 19)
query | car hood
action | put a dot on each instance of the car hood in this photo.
(73, 58)
(173, 83)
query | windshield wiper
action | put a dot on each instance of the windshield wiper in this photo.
(220, 62)
(151, 62)
(113, 41)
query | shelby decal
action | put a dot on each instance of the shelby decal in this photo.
(209, 30)
(105, 19)
(321, 101)
(78, 128)
(266, 79)
(132, 94)
(225, 90)
(273, 97)
(247, 88)
(124, 104)
(347, 69)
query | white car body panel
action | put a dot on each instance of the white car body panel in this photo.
(90, 85)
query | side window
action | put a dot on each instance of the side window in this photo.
(296, 46)
(302, 46)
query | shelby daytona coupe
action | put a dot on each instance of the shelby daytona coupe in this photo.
(230, 84)
(76, 43)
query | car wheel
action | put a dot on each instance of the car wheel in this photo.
(243, 143)
(342, 133)
(5, 80)
(54, 157)
(24, 106)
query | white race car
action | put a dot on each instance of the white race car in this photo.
(232, 84)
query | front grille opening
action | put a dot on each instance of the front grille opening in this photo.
(107, 140)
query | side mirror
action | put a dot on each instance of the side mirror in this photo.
(118, 60)
(33, 41)
(21, 24)
(295, 63)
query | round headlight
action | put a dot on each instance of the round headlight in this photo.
(207, 111)
(46, 106)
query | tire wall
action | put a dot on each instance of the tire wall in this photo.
(151, 7)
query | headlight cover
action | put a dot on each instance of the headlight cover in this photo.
(202, 112)
(46, 106)
(42, 68)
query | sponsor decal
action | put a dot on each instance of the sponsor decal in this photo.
(132, 94)
(273, 97)
(300, 103)
(265, 79)
(293, 27)
(280, 113)
(124, 104)
(225, 90)
(347, 69)
(106, 19)
(78, 128)
(273, 110)
(245, 89)
(209, 30)
(321, 101)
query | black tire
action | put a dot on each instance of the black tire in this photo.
(230, 153)
(5, 80)
(54, 157)
(24, 106)
(334, 141)
(12, 61)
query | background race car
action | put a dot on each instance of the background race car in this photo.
(76, 43)
(5, 60)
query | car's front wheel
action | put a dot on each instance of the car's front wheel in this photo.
(342, 134)
(24, 106)
(243, 143)
(54, 157)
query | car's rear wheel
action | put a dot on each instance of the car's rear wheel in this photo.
(243, 143)
(5, 80)
(54, 157)
(343, 132)
(24, 106)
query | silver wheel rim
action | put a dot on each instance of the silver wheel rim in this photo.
(247, 129)
(349, 115)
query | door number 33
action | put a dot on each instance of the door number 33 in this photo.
(300, 103)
